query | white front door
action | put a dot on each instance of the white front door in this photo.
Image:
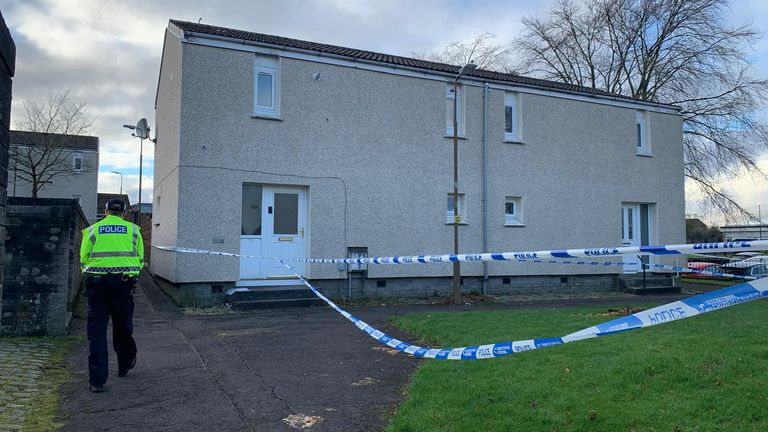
(274, 225)
(630, 235)
(637, 229)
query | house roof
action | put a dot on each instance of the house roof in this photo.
(696, 222)
(75, 142)
(743, 227)
(352, 53)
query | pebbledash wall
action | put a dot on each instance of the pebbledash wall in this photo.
(42, 265)
(371, 148)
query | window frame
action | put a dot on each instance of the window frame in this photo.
(512, 99)
(156, 211)
(462, 207)
(461, 111)
(77, 156)
(642, 133)
(517, 217)
(267, 66)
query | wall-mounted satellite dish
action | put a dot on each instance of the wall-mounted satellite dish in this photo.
(142, 129)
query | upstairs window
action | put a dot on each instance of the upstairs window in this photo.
(461, 207)
(460, 110)
(642, 133)
(77, 162)
(266, 94)
(513, 210)
(512, 117)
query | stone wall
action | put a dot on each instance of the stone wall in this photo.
(42, 265)
(7, 66)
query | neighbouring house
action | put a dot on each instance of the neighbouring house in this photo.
(744, 232)
(75, 171)
(145, 223)
(278, 147)
(7, 70)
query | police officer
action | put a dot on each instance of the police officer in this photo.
(112, 256)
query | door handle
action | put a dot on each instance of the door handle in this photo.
(302, 232)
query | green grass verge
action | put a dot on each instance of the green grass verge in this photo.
(705, 373)
(41, 416)
(711, 281)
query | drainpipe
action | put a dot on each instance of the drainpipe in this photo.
(486, 89)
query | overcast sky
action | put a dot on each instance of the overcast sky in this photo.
(108, 53)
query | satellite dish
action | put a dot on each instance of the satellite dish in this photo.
(142, 129)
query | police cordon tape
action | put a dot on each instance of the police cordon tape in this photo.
(674, 311)
(563, 253)
(741, 246)
(634, 264)
(669, 312)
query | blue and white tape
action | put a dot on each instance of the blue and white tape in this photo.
(529, 256)
(674, 311)
(679, 269)
(516, 256)
(669, 312)
(544, 254)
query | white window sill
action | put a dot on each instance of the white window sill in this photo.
(461, 137)
(460, 223)
(266, 116)
(513, 141)
(645, 154)
(514, 225)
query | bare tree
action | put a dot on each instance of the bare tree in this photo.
(482, 51)
(679, 52)
(47, 155)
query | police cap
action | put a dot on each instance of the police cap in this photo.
(116, 204)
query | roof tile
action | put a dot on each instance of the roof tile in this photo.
(204, 29)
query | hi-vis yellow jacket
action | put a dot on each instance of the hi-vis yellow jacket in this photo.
(112, 245)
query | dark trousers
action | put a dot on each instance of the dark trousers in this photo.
(109, 296)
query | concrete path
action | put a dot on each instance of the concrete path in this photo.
(266, 371)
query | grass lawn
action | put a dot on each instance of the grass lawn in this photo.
(704, 373)
(711, 281)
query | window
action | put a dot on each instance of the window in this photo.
(156, 212)
(512, 117)
(642, 135)
(513, 210)
(460, 110)
(462, 209)
(77, 162)
(266, 94)
(251, 214)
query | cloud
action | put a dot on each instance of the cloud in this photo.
(110, 183)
